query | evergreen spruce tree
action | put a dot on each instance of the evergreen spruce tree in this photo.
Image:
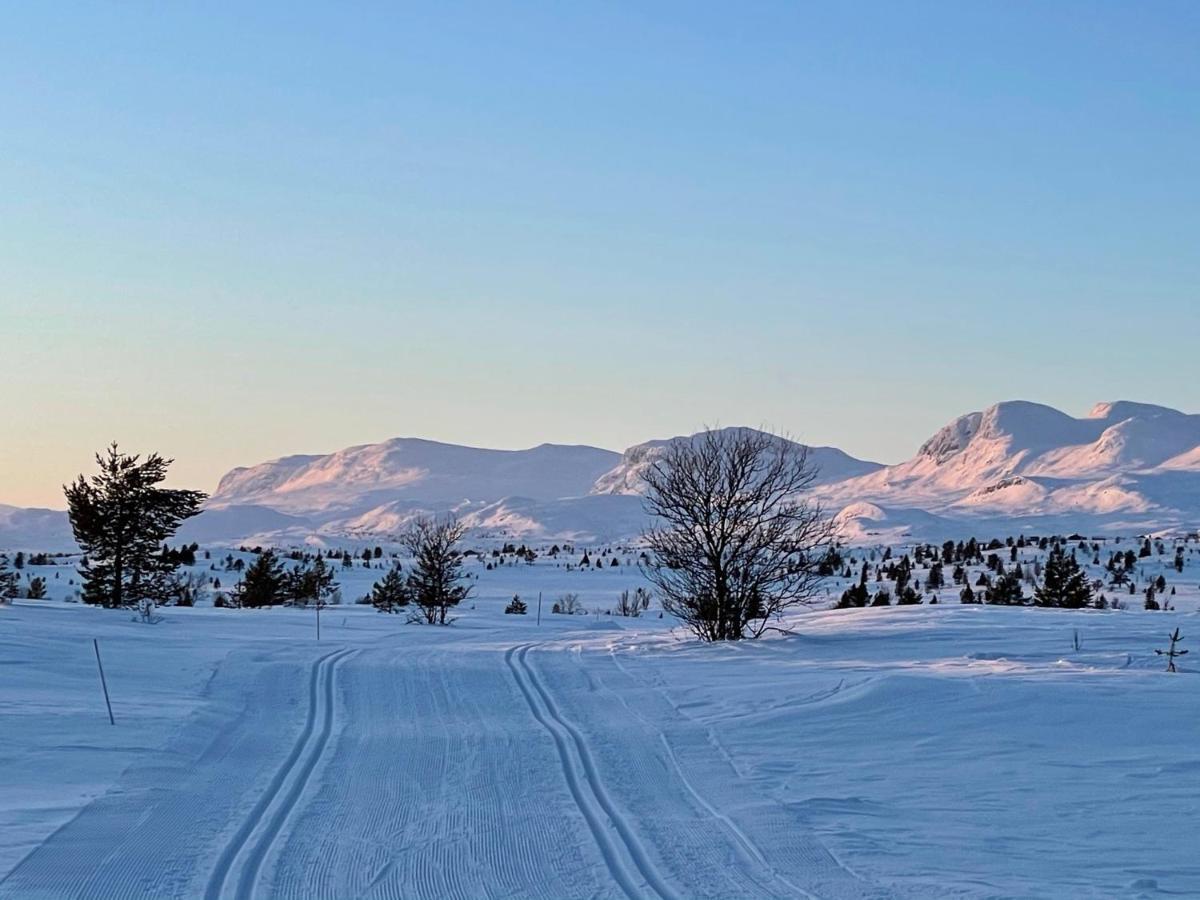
(121, 519)
(516, 607)
(854, 596)
(263, 584)
(1064, 583)
(8, 581)
(390, 592)
(1006, 590)
(311, 583)
(936, 578)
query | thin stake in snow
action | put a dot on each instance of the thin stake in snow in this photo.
(104, 683)
(1172, 652)
(539, 607)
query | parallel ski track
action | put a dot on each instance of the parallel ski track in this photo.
(589, 792)
(252, 843)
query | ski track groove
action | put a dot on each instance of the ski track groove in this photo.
(438, 793)
(748, 849)
(320, 687)
(598, 806)
(810, 859)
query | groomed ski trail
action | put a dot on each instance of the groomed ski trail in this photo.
(241, 862)
(588, 792)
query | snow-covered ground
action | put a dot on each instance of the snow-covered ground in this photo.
(922, 751)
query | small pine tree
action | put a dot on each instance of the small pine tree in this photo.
(264, 583)
(1006, 591)
(390, 593)
(855, 596)
(1064, 583)
(314, 583)
(8, 581)
(935, 578)
(516, 607)
(37, 588)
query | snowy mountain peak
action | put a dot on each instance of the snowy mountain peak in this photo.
(366, 476)
(1027, 425)
(952, 438)
(626, 477)
(1119, 410)
(1125, 467)
(1133, 464)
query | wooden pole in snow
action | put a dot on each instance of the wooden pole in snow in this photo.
(539, 607)
(103, 682)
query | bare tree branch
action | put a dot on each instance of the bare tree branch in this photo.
(436, 577)
(734, 542)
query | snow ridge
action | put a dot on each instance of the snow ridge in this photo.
(1125, 467)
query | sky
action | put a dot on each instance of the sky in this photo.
(230, 232)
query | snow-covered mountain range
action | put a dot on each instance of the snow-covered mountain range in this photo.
(1022, 466)
(1014, 467)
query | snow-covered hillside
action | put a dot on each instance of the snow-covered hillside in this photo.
(375, 490)
(409, 468)
(1015, 467)
(831, 464)
(41, 529)
(1125, 467)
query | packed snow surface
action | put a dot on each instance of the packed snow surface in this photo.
(913, 752)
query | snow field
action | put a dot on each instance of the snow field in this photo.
(927, 751)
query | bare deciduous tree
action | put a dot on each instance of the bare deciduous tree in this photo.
(734, 543)
(568, 605)
(185, 588)
(633, 603)
(436, 576)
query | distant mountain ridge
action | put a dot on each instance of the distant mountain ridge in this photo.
(550, 491)
(830, 463)
(1014, 467)
(412, 467)
(1018, 465)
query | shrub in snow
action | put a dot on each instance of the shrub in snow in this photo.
(568, 605)
(516, 607)
(633, 604)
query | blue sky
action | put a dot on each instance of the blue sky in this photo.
(230, 234)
